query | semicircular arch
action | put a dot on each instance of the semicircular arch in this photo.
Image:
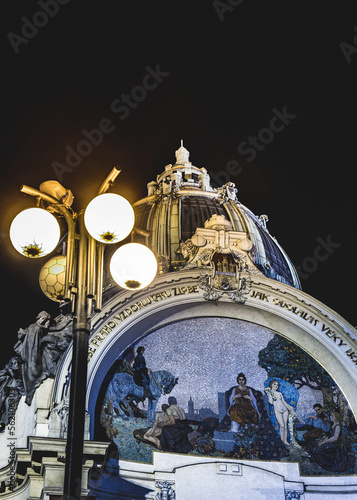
(175, 297)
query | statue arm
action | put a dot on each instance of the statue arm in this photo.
(62, 323)
(21, 334)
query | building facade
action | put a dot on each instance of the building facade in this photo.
(265, 374)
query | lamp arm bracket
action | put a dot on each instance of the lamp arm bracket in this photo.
(51, 201)
(141, 231)
(109, 181)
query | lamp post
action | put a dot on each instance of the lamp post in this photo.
(108, 218)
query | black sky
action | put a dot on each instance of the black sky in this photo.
(223, 75)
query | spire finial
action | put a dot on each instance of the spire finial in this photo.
(182, 155)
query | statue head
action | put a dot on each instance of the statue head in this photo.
(43, 317)
(14, 362)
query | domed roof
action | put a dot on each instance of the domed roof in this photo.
(181, 200)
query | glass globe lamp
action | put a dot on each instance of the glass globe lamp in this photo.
(34, 232)
(133, 266)
(109, 218)
(52, 278)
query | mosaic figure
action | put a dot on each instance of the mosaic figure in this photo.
(330, 452)
(242, 405)
(161, 419)
(316, 423)
(123, 388)
(141, 373)
(174, 434)
(264, 441)
(282, 398)
(281, 409)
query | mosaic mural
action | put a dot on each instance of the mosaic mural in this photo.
(227, 388)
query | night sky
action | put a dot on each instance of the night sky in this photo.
(262, 93)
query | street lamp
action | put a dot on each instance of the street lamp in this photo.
(108, 219)
(139, 269)
(101, 218)
(34, 232)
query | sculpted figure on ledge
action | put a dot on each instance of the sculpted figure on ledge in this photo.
(38, 349)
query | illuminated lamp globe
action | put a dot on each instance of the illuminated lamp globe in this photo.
(34, 232)
(133, 266)
(109, 218)
(52, 278)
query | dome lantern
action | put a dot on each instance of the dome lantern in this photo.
(181, 202)
(182, 155)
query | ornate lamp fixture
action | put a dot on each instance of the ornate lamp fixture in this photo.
(78, 277)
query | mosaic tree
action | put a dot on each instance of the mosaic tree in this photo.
(282, 358)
